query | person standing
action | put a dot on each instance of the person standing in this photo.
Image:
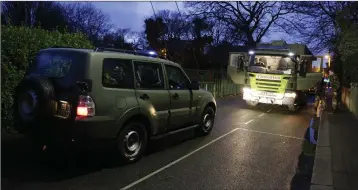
(332, 91)
(319, 92)
(337, 91)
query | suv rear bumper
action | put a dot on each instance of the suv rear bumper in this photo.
(88, 133)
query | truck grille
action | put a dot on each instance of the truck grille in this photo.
(268, 85)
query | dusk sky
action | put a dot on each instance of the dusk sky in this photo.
(132, 14)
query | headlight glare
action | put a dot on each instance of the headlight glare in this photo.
(290, 95)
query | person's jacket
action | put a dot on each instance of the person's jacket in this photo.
(334, 82)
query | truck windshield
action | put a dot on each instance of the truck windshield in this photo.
(274, 64)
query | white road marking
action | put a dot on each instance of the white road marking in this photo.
(249, 122)
(292, 137)
(200, 148)
(271, 109)
(176, 161)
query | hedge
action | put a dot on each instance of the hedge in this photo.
(19, 46)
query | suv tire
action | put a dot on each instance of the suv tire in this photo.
(131, 142)
(32, 103)
(206, 122)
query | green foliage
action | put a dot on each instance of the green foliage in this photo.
(348, 47)
(348, 41)
(19, 46)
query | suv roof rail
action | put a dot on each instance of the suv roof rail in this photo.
(61, 47)
(134, 52)
(101, 49)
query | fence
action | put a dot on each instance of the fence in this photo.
(216, 82)
(350, 98)
(221, 88)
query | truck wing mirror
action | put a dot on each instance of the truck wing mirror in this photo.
(302, 69)
(240, 63)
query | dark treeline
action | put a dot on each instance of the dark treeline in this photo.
(202, 37)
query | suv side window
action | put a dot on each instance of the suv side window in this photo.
(148, 75)
(176, 78)
(117, 73)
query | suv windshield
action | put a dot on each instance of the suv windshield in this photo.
(275, 64)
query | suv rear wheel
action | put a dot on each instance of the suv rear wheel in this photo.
(206, 122)
(131, 142)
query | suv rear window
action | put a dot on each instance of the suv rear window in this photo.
(65, 67)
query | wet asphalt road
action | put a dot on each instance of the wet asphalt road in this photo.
(247, 149)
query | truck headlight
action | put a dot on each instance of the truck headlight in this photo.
(246, 90)
(290, 95)
(247, 93)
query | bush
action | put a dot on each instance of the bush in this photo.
(19, 46)
(348, 41)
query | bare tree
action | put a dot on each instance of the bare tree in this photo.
(85, 18)
(251, 19)
(176, 24)
(138, 40)
(18, 13)
(315, 23)
(47, 15)
(221, 33)
(116, 39)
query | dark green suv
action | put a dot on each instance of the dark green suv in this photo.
(83, 95)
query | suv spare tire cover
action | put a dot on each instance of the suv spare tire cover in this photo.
(34, 100)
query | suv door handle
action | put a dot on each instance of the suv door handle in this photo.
(175, 96)
(144, 97)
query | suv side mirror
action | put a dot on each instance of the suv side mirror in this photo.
(194, 85)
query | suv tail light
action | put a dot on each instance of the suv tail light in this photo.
(86, 106)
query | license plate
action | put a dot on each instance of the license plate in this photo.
(64, 109)
(266, 94)
(268, 77)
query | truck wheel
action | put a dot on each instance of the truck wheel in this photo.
(251, 103)
(293, 108)
(206, 122)
(131, 142)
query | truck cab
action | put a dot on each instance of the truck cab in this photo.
(274, 74)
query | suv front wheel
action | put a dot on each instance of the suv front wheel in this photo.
(131, 142)
(207, 122)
